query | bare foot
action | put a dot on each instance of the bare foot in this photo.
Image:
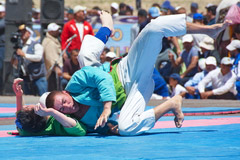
(177, 111)
(107, 21)
(217, 28)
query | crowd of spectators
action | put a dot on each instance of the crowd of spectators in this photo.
(194, 65)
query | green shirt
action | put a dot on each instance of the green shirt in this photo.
(54, 128)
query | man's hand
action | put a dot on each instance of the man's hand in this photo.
(205, 95)
(42, 111)
(102, 120)
(17, 87)
(20, 52)
(191, 90)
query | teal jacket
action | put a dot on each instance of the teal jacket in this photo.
(92, 86)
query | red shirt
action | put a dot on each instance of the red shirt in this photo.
(70, 29)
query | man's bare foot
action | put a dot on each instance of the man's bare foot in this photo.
(217, 28)
(177, 111)
(107, 21)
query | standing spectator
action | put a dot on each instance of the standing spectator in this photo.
(189, 57)
(192, 84)
(142, 21)
(176, 88)
(211, 14)
(2, 42)
(167, 9)
(234, 48)
(223, 82)
(69, 67)
(34, 72)
(182, 10)
(70, 14)
(114, 9)
(193, 8)
(52, 51)
(122, 9)
(77, 26)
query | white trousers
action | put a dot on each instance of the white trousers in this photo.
(135, 70)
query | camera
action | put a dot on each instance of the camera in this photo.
(16, 40)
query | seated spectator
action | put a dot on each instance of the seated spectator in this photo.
(223, 82)
(192, 84)
(189, 57)
(234, 48)
(110, 56)
(69, 67)
(175, 87)
(160, 87)
(103, 55)
(207, 49)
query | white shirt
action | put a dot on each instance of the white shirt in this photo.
(80, 29)
(178, 90)
(220, 84)
(38, 51)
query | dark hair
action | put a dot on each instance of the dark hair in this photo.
(30, 121)
(106, 50)
(50, 98)
(74, 50)
(212, 9)
(142, 13)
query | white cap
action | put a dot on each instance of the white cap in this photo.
(226, 61)
(2, 8)
(209, 5)
(202, 63)
(79, 8)
(42, 99)
(235, 44)
(111, 55)
(187, 38)
(211, 61)
(53, 27)
(115, 5)
(207, 43)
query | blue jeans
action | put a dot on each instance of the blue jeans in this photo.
(238, 89)
(35, 87)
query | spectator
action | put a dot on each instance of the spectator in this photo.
(153, 13)
(160, 87)
(166, 8)
(35, 14)
(129, 11)
(2, 42)
(234, 48)
(192, 84)
(189, 57)
(122, 9)
(110, 56)
(193, 8)
(182, 10)
(69, 67)
(207, 49)
(70, 14)
(103, 55)
(142, 21)
(52, 53)
(223, 82)
(114, 9)
(77, 26)
(33, 68)
(176, 88)
(211, 14)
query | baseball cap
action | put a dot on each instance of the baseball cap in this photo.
(53, 27)
(24, 27)
(111, 55)
(202, 63)
(198, 16)
(226, 61)
(42, 99)
(194, 5)
(209, 5)
(175, 76)
(187, 38)
(2, 8)
(207, 43)
(154, 11)
(211, 61)
(79, 8)
(167, 5)
(115, 5)
(235, 44)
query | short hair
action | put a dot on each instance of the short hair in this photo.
(212, 9)
(51, 97)
(106, 50)
(30, 121)
(74, 50)
(142, 13)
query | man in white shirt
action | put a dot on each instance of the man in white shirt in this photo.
(223, 82)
